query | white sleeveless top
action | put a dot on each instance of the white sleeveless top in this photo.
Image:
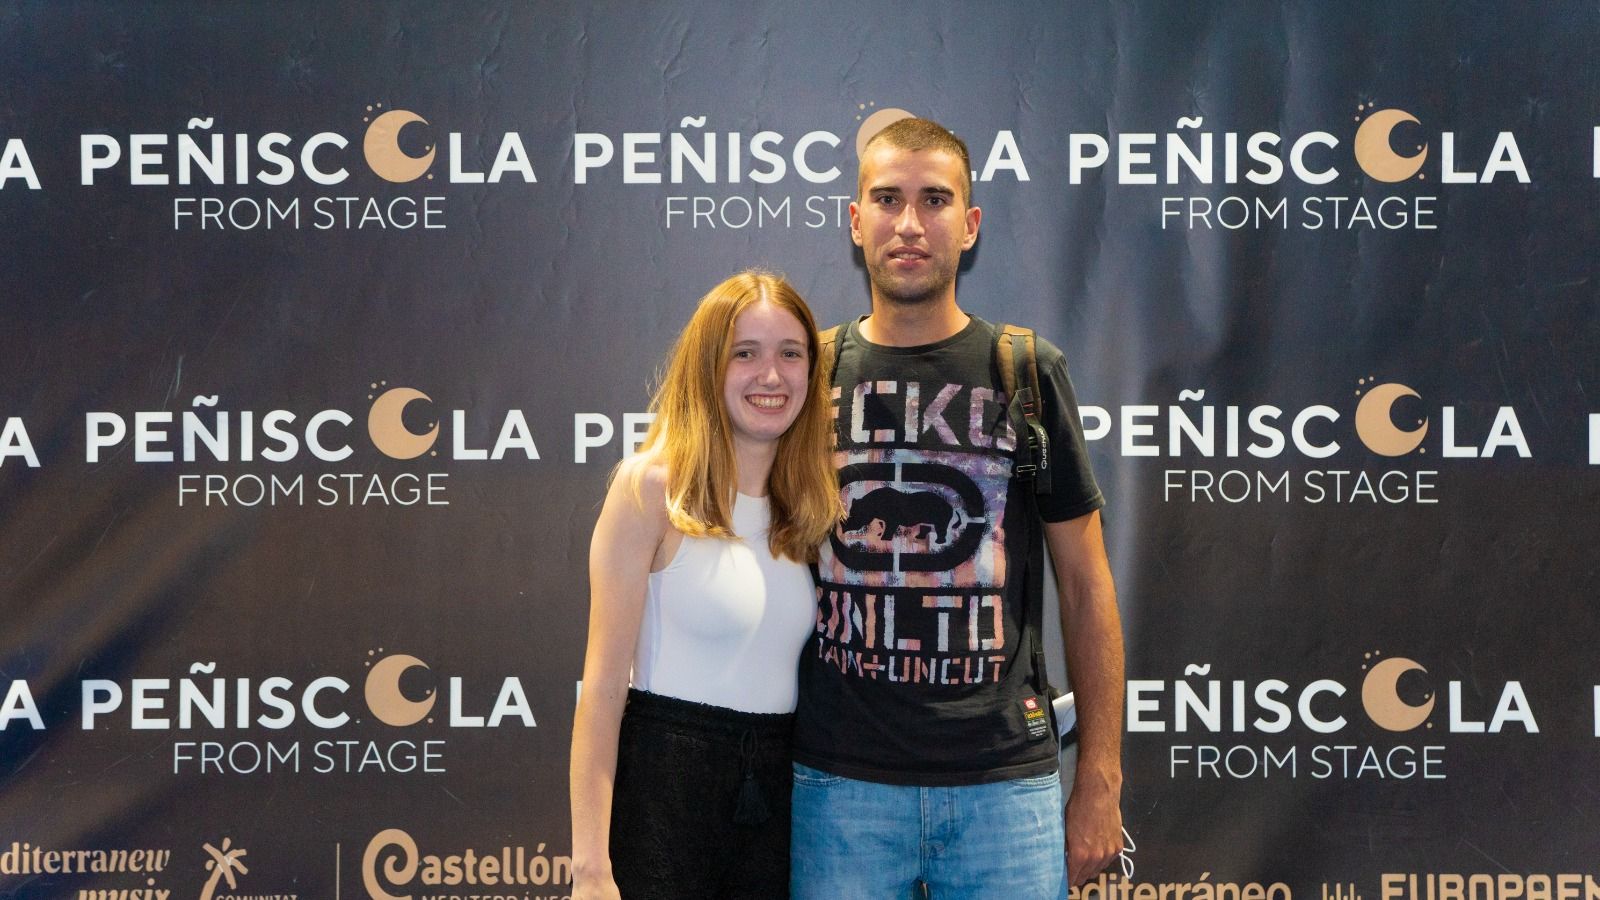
(724, 621)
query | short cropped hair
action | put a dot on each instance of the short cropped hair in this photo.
(924, 134)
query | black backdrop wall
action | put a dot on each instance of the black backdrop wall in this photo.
(320, 329)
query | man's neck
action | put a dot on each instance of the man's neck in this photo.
(894, 324)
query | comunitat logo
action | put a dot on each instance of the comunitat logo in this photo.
(1377, 421)
(1394, 699)
(397, 146)
(225, 864)
(1389, 146)
(210, 434)
(394, 867)
(226, 870)
(697, 154)
(398, 691)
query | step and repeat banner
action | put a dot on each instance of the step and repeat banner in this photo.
(321, 327)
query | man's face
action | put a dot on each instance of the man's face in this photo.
(911, 222)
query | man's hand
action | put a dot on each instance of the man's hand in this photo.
(1094, 827)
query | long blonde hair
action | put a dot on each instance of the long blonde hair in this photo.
(693, 438)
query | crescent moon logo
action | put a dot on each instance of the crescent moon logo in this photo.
(1380, 696)
(1376, 155)
(383, 692)
(381, 147)
(387, 430)
(1375, 425)
(877, 122)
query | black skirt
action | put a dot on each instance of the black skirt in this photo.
(701, 803)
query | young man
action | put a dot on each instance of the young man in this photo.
(921, 758)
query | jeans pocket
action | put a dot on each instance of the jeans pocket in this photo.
(809, 777)
(1047, 781)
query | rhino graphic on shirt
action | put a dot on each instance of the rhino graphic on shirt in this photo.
(898, 510)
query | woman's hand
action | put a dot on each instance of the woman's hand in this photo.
(597, 888)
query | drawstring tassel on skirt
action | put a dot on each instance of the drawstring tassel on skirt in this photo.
(752, 806)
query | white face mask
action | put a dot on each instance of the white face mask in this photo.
(1066, 710)
(1125, 855)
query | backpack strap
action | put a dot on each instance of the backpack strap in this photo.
(1017, 359)
(828, 349)
(1017, 362)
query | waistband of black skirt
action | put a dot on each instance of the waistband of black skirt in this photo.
(705, 718)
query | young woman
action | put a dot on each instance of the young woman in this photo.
(698, 584)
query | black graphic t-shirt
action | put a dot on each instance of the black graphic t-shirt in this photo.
(917, 672)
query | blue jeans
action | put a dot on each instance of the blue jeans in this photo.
(862, 839)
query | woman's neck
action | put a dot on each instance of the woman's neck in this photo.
(753, 465)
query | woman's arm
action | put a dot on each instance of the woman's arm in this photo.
(627, 539)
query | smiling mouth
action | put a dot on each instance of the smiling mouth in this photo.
(907, 255)
(767, 401)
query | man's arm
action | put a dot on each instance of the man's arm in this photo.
(1091, 632)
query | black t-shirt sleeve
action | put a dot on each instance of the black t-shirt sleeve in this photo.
(1073, 491)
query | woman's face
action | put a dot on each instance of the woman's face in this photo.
(765, 384)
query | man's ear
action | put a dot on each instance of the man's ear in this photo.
(855, 223)
(974, 216)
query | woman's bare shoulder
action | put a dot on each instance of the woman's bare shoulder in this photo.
(641, 480)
